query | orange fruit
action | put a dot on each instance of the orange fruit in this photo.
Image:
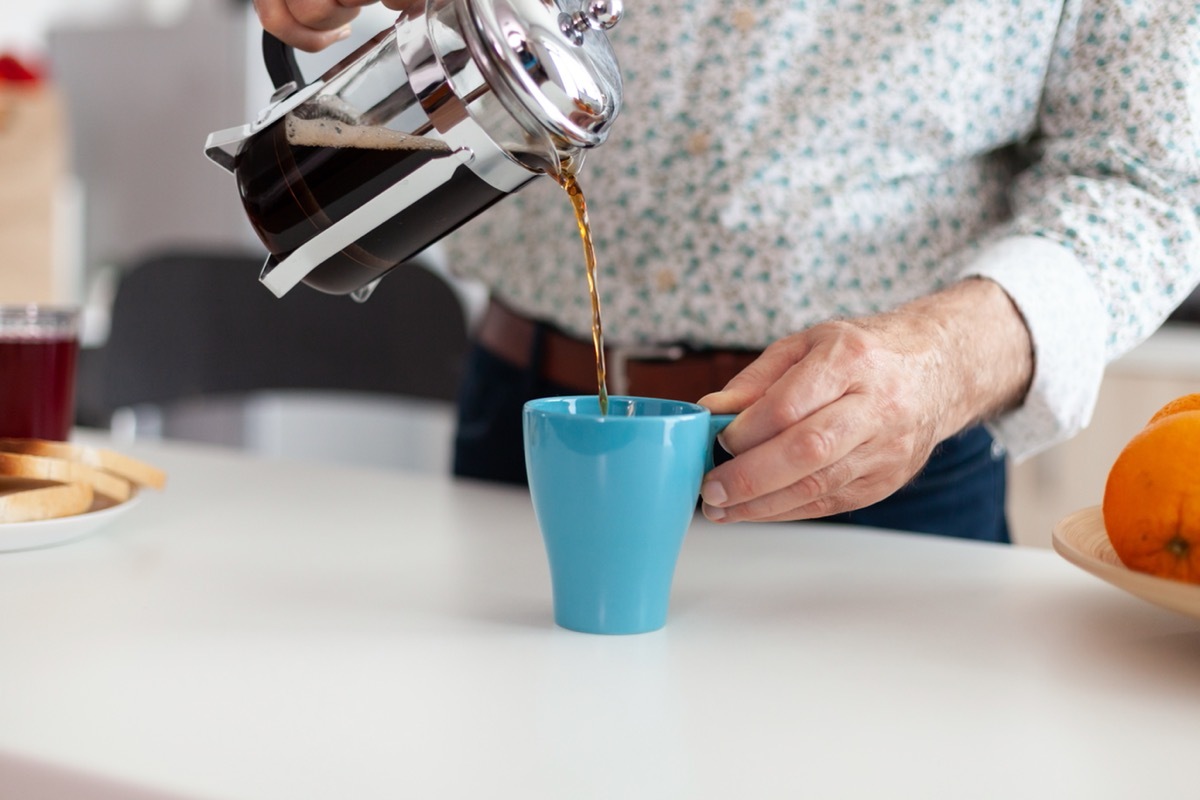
(1152, 499)
(1188, 402)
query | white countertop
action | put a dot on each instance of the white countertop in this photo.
(269, 630)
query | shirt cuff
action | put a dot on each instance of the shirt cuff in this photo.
(1067, 325)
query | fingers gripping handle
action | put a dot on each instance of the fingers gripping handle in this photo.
(716, 424)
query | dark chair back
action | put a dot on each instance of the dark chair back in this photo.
(188, 324)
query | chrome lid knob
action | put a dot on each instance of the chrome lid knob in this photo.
(599, 15)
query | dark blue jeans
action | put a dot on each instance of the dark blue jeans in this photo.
(960, 492)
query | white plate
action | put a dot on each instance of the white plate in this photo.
(1081, 539)
(48, 532)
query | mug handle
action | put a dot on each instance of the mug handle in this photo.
(716, 424)
(280, 60)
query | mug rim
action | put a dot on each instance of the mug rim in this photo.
(547, 406)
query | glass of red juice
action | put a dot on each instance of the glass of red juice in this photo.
(39, 346)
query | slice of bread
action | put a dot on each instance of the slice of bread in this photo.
(23, 500)
(44, 468)
(136, 472)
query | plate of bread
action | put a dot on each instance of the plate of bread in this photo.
(56, 492)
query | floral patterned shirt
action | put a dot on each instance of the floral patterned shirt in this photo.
(781, 162)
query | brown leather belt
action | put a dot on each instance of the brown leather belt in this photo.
(672, 372)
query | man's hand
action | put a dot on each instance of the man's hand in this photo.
(842, 415)
(312, 25)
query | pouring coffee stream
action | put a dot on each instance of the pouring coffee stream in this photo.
(566, 178)
(457, 105)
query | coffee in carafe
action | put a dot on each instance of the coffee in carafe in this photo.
(305, 174)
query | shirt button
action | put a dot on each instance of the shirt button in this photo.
(698, 143)
(665, 281)
(743, 19)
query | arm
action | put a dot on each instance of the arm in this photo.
(1103, 244)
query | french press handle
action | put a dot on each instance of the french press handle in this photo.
(280, 60)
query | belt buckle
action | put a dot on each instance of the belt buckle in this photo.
(619, 356)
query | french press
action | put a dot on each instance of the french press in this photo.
(457, 105)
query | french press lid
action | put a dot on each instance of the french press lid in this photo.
(550, 65)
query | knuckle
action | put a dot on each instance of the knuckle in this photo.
(813, 445)
(741, 486)
(321, 14)
(784, 415)
(813, 487)
(851, 332)
(827, 506)
(847, 497)
(857, 346)
(273, 17)
(824, 483)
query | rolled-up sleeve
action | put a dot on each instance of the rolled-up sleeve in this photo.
(1105, 237)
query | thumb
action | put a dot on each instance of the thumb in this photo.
(749, 385)
(742, 391)
(726, 402)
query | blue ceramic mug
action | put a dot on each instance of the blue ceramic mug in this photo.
(614, 496)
